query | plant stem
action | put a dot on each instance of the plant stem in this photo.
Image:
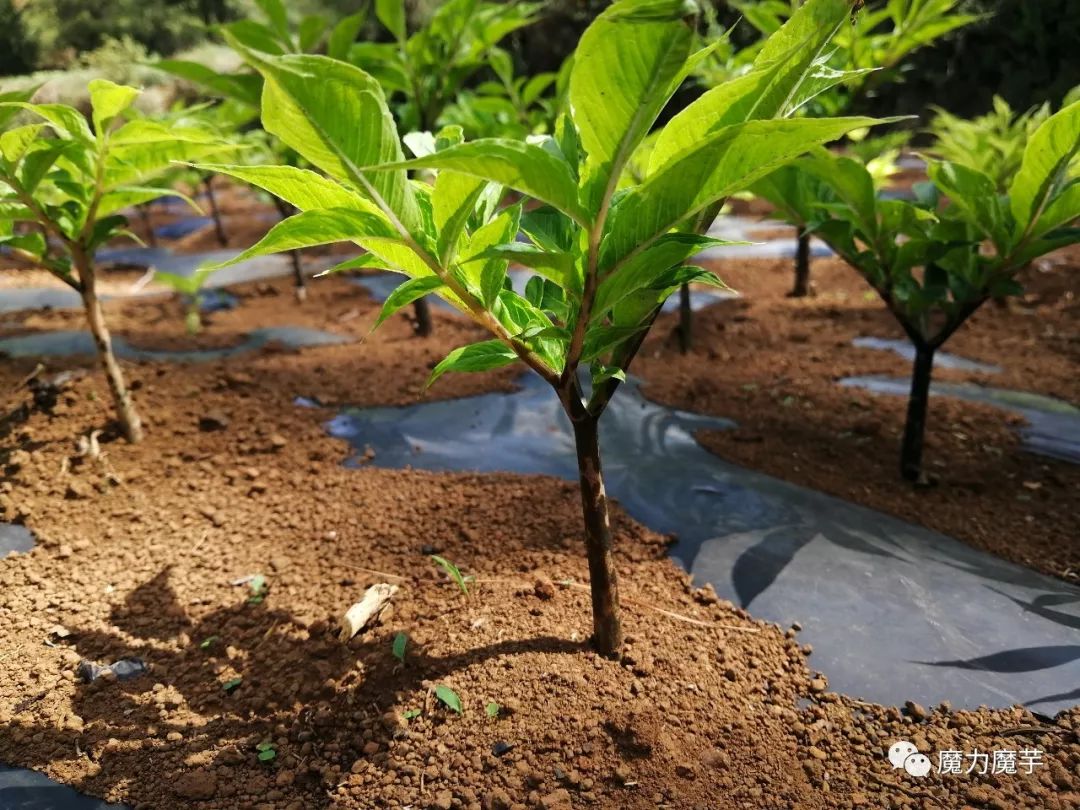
(147, 223)
(686, 320)
(299, 285)
(802, 265)
(607, 626)
(422, 310)
(215, 214)
(911, 451)
(130, 423)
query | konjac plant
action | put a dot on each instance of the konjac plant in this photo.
(606, 253)
(64, 182)
(867, 54)
(936, 260)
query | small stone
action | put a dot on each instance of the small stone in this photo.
(501, 747)
(543, 587)
(859, 800)
(818, 685)
(64, 551)
(277, 441)
(915, 711)
(497, 799)
(371, 747)
(444, 800)
(685, 770)
(817, 753)
(174, 736)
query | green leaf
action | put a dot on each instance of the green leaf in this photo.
(1047, 155)
(398, 646)
(452, 570)
(67, 121)
(362, 262)
(557, 266)
(412, 713)
(492, 709)
(490, 354)
(336, 117)
(405, 294)
(277, 15)
(239, 87)
(851, 182)
(266, 755)
(391, 13)
(126, 196)
(1061, 209)
(453, 201)
(449, 697)
(781, 67)
(108, 100)
(725, 162)
(344, 35)
(974, 194)
(232, 684)
(14, 142)
(301, 188)
(484, 276)
(622, 77)
(642, 271)
(315, 227)
(521, 166)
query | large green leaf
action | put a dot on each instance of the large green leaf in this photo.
(622, 77)
(521, 166)
(770, 89)
(318, 227)
(301, 188)
(1047, 155)
(484, 356)
(336, 117)
(725, 162)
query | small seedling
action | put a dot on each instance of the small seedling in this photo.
(412, 713)
(492, 709)
(398, 648)
(232, 684)
(267, 752)
(208, 642)
(259, 589)
(449, 697)
(453, 572)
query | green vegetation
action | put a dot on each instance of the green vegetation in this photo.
(63, 184)
(606, 256)
(936, 260)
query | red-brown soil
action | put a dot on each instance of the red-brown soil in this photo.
(138, 549)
